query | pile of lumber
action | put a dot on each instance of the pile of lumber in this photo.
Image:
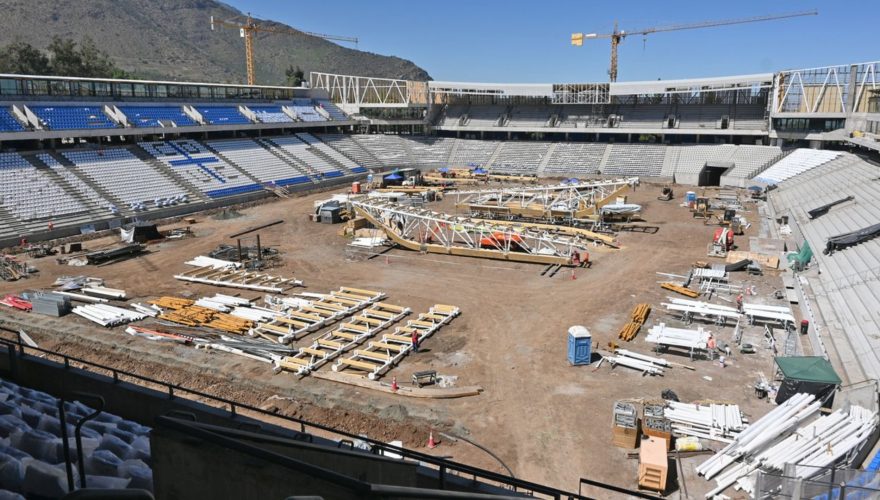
(186, 312)
(637, 319)
(687, 292)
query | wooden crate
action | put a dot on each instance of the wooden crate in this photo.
(653, 464)
(625, 437)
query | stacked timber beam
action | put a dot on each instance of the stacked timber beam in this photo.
(637, 319)
(314, 312)
(381, 356)
(673, 287)
(346, 336)
(186, 312)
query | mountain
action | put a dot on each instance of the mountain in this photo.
(172, 40)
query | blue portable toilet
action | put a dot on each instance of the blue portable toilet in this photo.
(580, 345)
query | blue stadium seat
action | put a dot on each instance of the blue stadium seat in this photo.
(8, 123)
(72, 117)
(270, 114)
(222, 115)
(149, 116)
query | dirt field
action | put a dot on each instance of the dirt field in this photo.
(548, 421)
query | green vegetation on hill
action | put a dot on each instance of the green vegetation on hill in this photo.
(172, 40)
(65, 57)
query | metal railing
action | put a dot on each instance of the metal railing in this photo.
(16, 349)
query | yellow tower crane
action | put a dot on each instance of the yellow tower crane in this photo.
(617, 36)
(247, 29)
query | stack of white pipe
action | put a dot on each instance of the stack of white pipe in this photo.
(82, 298)
(254, 313)
(641, 357)
(202, 261)
(148, 309)
(229, 300)
(113, 293)
(662, 334)
(212, 304)
(638, 364)
(105, 315)
(716, 422)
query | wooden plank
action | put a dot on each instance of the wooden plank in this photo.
(289, 321)
(363, 365)
(345, 335)
(372, 355)
(390, 347)
(357, 328)
(313, 351)
(382, 314)
(293, 360)
(390, 307)
(329, 343)
(680, 289)
(274, 328)
(399, 338)
(360, 291)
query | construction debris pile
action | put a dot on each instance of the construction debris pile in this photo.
(186, 312)
(792, 433)
(12, 270)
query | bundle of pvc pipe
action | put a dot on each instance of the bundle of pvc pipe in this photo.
(813, 446)
(254, 313)
(83, 298)
(148, 309)
(642, 357)
(756, 436)
(202, 261)
(230, 300)
(716, 422)
(637, 364)
(212, 304)
(105, 315)
(112, 293)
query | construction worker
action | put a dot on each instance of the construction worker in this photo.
(415, 341)
(739, 303)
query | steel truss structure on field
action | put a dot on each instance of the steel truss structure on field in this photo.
(432, 232)
(555, 202)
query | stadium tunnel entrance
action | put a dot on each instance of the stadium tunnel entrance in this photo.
(711, 173)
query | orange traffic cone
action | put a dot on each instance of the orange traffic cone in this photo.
(431, 443)
(394, 386)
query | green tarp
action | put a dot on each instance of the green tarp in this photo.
(808, 369)
(802, 257)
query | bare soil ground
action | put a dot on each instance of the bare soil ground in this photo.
(548, 421)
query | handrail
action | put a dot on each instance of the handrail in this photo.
(444, 465)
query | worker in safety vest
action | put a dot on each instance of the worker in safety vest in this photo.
(415, 341)
(739, 303)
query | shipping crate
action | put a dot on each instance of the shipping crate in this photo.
(626, 437)
(653, 464)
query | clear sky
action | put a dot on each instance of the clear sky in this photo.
(521, 41)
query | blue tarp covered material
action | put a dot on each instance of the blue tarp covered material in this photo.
(756, 188)
(479, 171)
(393, 177)
(443, 169)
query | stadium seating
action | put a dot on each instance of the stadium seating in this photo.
(201, 168)
(72, 117)
(748, 162)
(692, 160)
(127, 178)
(635, 159)
(222, 115)
(472, 153)
(430, 152)
(799, 161)
(522, 158)
(85, 191)
(642, 116)
(116, 452)
(528, 116)
(704, 116)
(270, 114)
(574, 159)
(151, 116)
(302, 151)
(8, 123)
(351, 149)
(451, 116)
(305, 111)
(582, 117)
(389, 149)
(29, 193)
(259, 162)
(331, 109)
(334, 155)
(484, 116)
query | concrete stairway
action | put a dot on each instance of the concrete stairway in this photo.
(288, 158)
